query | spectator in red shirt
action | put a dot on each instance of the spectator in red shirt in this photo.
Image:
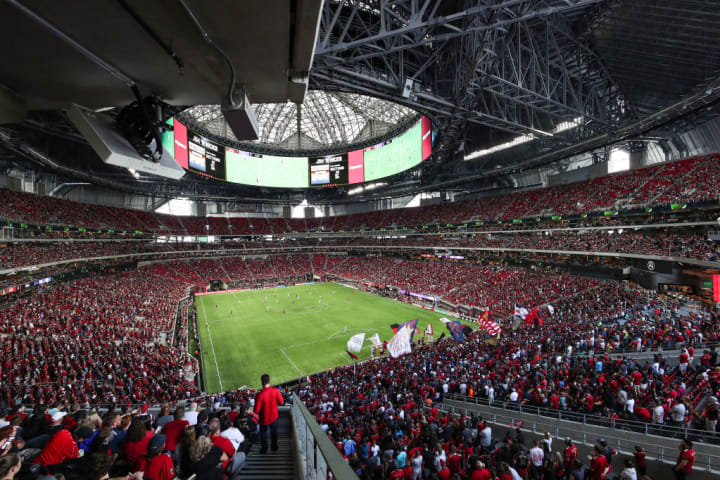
(134, 449)
(173, 429)
(235, 460)
(266, 406)
(640, 464)
(62, 446)
(598, 464)
(570, 454)
(159, 465)
(685, 461)
(480, 472)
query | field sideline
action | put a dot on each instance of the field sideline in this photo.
(241, 339)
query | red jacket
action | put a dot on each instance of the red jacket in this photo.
(266, 405)
(61, 447)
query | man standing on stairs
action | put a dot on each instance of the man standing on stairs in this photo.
(266, 406)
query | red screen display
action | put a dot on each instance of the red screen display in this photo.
(356, 167)
(181, 148)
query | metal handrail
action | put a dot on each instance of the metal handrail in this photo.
(318, 455)
(587, 419)
(619, 442)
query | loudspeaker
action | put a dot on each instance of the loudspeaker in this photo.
(241, 118)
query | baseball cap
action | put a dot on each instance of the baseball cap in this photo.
(56, 414)
(602, 441)
(156, 443)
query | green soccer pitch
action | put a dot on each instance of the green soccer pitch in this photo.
(241, 339)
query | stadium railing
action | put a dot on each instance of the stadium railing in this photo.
(318, 455)
(703, 436)
(659, 441)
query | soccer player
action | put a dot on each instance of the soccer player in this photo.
(267, 308)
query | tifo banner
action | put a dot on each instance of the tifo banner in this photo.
(356, 342)
(399, 344)
(488, 323)
(376, 342)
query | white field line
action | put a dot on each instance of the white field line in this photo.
(212, 347)
(291, 362)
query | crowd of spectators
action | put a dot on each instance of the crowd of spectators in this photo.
(689, 180)
(374, 412)
(111, 341)
(99, 340)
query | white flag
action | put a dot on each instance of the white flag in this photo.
(521, 312)
(445, 320)
(400, 343)
(552, 309)
(356, 342)
(375, 339)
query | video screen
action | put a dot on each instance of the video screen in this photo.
(266, 170)
(198, 154)
(205, 156)
(329, 170)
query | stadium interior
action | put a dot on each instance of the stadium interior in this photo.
(466, 239)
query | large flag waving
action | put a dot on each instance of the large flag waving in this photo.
(520, 311)
(412, 328)
(356, 342)
(487, 321)
(456, 330)
(400, 342)
(376, 342)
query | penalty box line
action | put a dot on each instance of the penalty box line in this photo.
(291, 362)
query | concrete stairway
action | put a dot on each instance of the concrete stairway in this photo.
(278, 465)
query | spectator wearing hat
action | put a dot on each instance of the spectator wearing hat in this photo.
(606, 451)
(158, 465)
(61, 446)
(84, 436)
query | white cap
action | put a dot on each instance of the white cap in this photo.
(58, 416)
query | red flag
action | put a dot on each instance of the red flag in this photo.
(489, 324)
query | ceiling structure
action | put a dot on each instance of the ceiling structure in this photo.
(570, 76)
(331, 121)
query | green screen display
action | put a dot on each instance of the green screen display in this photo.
(266, 170)
(400, 154)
